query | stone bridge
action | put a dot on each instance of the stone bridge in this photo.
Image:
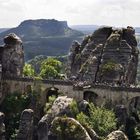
(99, 94)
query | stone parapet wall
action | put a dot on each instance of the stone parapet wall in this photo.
(104, 92)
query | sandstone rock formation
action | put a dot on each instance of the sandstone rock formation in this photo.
(84, 106)
(116, 135)
(26, 125)
(107, 56)
(12, 56)
(59, 107)
(68, 129)
(51, 124)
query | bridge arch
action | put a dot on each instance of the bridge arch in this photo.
(134, 104)
(51, 91)
(90, 96)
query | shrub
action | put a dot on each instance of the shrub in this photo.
(74, 108)
(28, 70)
(103, 121)
(13, 105)
(108, 67)
(83, 119)
(49, 104)
(67, 129)
(50, 68)
(100, 119)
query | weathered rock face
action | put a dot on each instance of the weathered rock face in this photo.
(12, 56)
(116, 135)
(68, 129)
(54, 124)
(60, 107)
(2, 127)
(108, 55)
(26, 125)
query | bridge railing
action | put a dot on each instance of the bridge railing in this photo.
(46, 81)
(71, 83)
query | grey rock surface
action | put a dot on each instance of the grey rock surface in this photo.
(59, 107)
(69, 129)
(107, 56)
(116, 135)
(26, 125)
(12, 56)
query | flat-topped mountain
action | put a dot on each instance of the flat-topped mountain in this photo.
(43, 28)
(44, 37)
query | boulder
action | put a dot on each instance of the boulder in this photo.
(60, 107)
(93, 135)
(68, 129)
(84, 106)
(26, 125)
(116, 135)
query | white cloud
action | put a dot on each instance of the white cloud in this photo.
(111, 12)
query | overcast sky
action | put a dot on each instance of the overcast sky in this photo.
(99, 12)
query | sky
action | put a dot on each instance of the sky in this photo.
(75, 12)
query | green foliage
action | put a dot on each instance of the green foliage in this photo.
(28, 70)
(137, 130)
(50, 68)
(49, 72)
(108, 67)
(51, 62)
(83, 119)
(36, 62)
(74, 108)
(133, 133)
(49, 104)
(103, 121)
(12, 106)
(66, 129)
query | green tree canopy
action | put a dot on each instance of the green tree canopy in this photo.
(50, 68)
(28, 70)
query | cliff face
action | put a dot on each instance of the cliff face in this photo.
(108, 55)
